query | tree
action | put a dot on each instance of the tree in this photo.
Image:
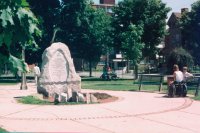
(151, 14)
(18, 28)
(180, 57)
(191, 31)
(48, 14)
(132, 45)
(80, 26)
(85, 29)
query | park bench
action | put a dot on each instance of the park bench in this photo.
(150, 79)
(193, 84)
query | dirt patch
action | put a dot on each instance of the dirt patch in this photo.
(104, 97)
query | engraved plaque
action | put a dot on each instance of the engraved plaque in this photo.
(58, 67)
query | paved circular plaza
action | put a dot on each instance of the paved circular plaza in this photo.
(133, 112)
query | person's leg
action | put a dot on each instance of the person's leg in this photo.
(171, 91)
(36, 80)
(184, 90)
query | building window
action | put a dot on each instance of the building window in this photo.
(177, 37)
(109, 9)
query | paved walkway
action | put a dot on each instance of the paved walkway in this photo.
(134, 112)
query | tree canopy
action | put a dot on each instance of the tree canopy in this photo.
(150, 14)
(191, 31)
(18, 28)
(85, 29)
(180, 57)
(82, 27)
(48, 14)
(131, 43)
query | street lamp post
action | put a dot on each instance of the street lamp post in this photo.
(23, 77)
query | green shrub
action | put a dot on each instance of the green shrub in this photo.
(180, 57)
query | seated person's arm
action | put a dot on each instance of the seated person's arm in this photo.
(189, 75)
(174, 75)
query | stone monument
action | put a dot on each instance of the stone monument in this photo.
(58, 74)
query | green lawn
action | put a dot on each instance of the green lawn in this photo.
(118, 85)
(3, 130)
(191, 90)
(122, 85)
(197, 98)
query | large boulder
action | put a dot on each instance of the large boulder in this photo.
(58, 74)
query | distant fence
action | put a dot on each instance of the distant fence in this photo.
(14, 78)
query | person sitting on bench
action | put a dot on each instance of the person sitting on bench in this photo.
(186, 74)
(178, 78)
(178, 75)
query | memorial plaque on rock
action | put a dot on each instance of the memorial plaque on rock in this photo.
(58, 74)
(58, 69)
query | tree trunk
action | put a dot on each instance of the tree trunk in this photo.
(90, 68)
(136, 71)
(127, 64)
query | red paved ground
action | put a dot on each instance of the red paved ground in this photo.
(136, 112)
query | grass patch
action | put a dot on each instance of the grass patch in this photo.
(34, 100)
(3, 130)
(124, 85)
(117, 85)
(191, 90)
(197, 98)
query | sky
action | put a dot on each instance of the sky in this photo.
(176, 5)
